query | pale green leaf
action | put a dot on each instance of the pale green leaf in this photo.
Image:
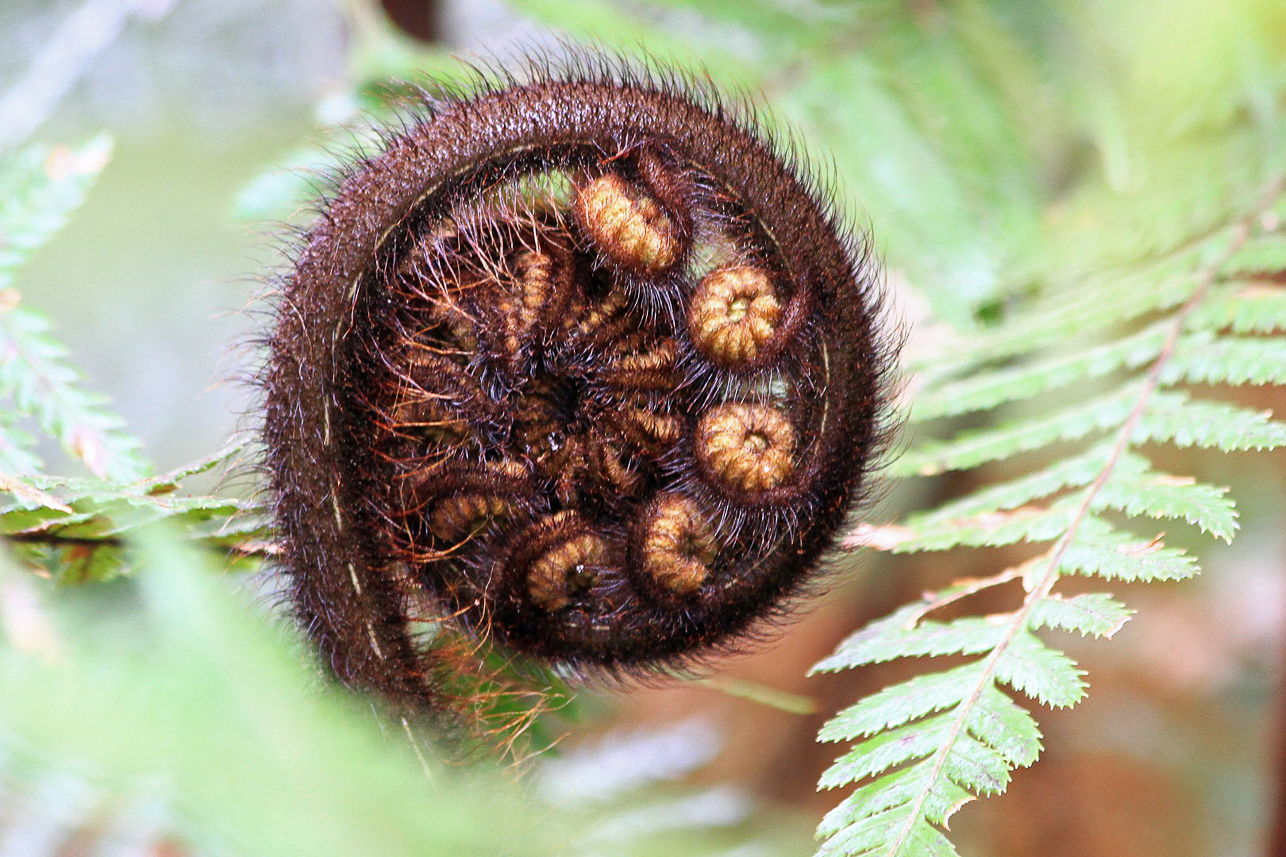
(1227, 360)
(884, 153)
(39, 189)
(1048, 676)
(999, 722)
(870, 837)
(1024, 524)
(1137, 491)
(894, 789)
(901, 703)
(17, 455)
(942, 797)
(971, 448)
(35, 373)
(1174, 417)
(1073, 472)
(988, 389)
(1243, 309)
(975, 766)
(102, 509)
(201, 694)
(889, 749)
(85, 519)
(622, 24)
(1262, 254)
(1095, 614)
(226, 457)
(1114, 555)
(884, 640)
(857, 648)
(276, 194)
(1097, 301)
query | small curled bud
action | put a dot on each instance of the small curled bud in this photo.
(733, 313)
(748, 447)
(459, 515)
(627, 225)
(565, 569)
(679, 546)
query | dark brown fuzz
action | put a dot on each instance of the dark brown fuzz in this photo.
(577, 366)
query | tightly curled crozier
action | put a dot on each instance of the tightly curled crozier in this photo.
(579, 366)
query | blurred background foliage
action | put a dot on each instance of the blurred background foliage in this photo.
(1000, 151)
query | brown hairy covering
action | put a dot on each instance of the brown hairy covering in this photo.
(494, 408)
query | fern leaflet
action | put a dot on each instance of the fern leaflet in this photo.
(39, 189)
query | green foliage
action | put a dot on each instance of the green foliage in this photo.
(42, 187)
(1067, 328)
(39, 189)
(1071, 383)
(212, 703)
(73, 528)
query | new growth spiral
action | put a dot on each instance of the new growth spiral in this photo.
(580, 367)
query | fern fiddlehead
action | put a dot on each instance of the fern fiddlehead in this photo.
(578, 365)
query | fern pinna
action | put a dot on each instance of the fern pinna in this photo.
(1129, 341)
(43, 188)
(72, 528)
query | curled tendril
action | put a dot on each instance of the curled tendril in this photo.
(581, 365)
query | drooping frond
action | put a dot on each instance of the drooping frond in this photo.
(77, 528)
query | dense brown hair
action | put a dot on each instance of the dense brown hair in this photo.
(581, 365)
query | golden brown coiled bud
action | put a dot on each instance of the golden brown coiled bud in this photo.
(745, 446)
(627, 225)
(733, 313)
(678, 545)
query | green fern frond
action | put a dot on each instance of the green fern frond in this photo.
(1230, 360)
(1260, 255)
(1136, 489)
(1073, 472)
(931, 743)
(36, 375)
(1243, 308)
(1092, 614)
(1176, 418)
(17, 453)
(979, 446)
(76, 528)
(39, 189)
(1101, 551)
(987, 390)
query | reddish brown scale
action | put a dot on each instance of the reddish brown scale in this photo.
(580, 366)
